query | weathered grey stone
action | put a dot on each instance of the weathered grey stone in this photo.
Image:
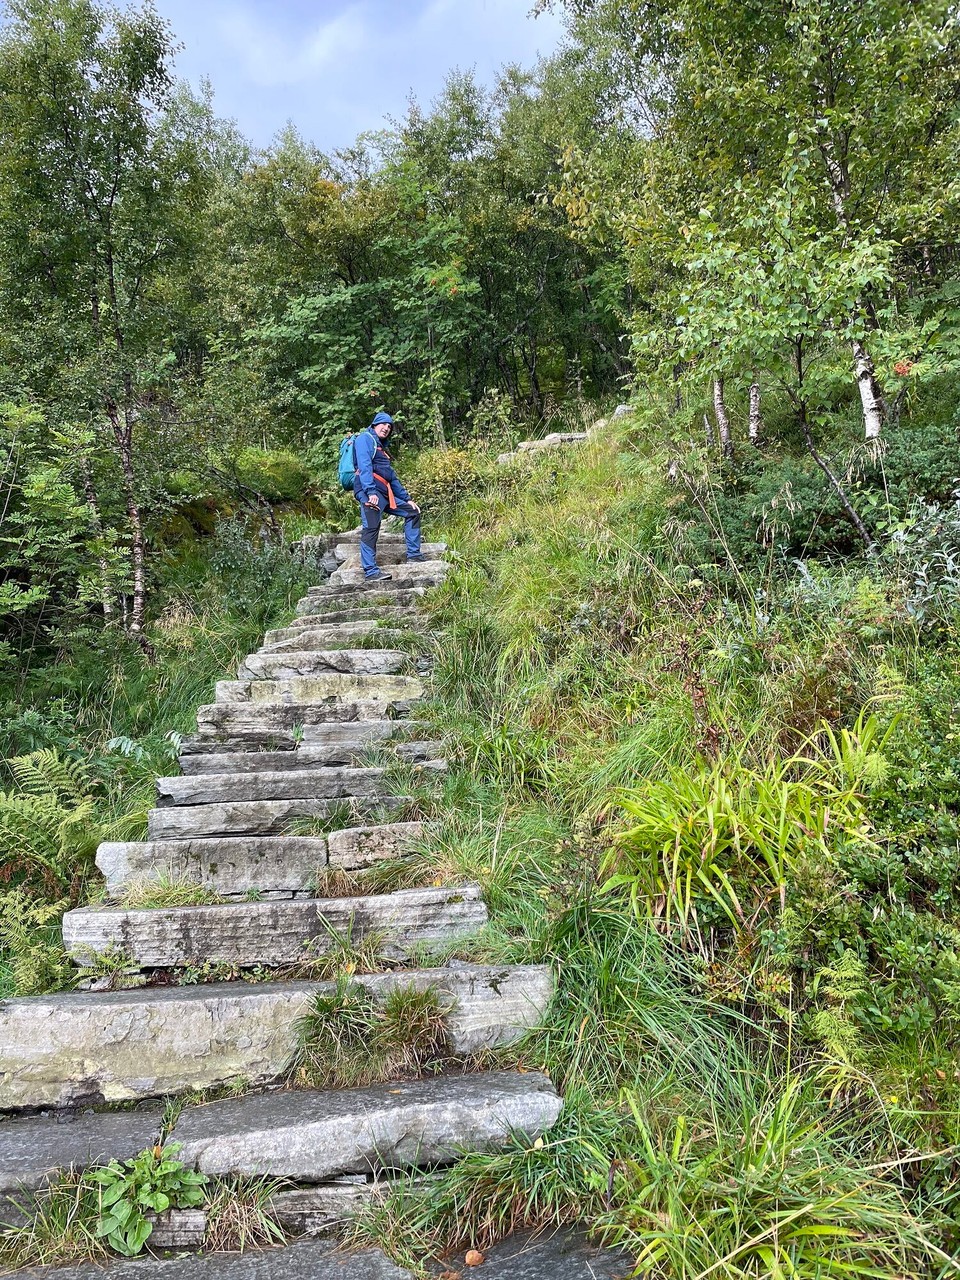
(427, 572)
(358, 847)
(304, 689)
(316, 1211)
(262, 721)
(72, 1050)
(492, 1005)
(554, 440)
(273, 933)
(563, 1255)
(257, 817)
(596, 427)
(368, 731)
(229, 866)
(312, 662)
(366, 596)
(391, 552)
(32, 1150)
(76, 1049)
(310, 1260)
(178, 1229)
(315, 1136)
(622, 411)
(282, 784)
(316, 639)
(305, 756)
(383, 614)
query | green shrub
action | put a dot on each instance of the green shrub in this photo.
(440, 478)
(274, 474)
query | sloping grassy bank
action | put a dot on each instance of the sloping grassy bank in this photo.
(720, 797)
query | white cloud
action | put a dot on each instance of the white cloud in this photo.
(337, 67)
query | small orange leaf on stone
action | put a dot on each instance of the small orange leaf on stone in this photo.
(474, 1258)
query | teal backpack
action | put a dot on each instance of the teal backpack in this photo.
(347, 466)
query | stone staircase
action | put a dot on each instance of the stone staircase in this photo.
(256, 818)
(527, 449)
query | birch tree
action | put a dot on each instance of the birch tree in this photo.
(99, 191)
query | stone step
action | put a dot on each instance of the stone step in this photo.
(424, 573)
(264, 721)
(305, 756)
(273, 933)
(313, 1136)
(259, 817)
(301, 689)
(312, 662)
(271, 866)
(335, 736)
(316, 639)
(33, 1150)
(81, 1050)
(406, 616)
(305, 1260)
(334, 601)
(355, 848)
(552, 441)
(393, 551)
(274, 866)
(283, 784)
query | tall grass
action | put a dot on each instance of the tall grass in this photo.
(691, 734)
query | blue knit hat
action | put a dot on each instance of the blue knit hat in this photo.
(381, 417)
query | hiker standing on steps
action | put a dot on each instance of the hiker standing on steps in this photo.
(377, 488)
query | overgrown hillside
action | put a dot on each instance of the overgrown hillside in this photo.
(721, 800)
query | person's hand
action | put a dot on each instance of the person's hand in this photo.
(373, 500)
(415, 505)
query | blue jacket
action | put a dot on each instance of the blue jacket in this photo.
(370, 456)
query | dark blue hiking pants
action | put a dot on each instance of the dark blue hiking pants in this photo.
(372, 517)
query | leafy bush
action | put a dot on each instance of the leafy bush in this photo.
(439, 478)
(274, 474)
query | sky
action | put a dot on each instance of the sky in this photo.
(338, 67)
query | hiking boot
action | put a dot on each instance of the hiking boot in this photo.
(416, 559)
(379, 576)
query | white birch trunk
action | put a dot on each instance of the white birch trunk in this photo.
(755, 420)
(723, 418)
(871, 397)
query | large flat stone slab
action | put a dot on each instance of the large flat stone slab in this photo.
(426, 573)
(405, 616)
(311, 662)
(306, 755)
(378, 689)
(78, 1049)
(356, 847)
(273, 933)
(313, 639)
(393, 552)
(560, 1255)
(282, 784)
(366, 596)
(333, 735)
(311, 1136)
(493, 1005)
(267, 721)
(32, 1150)
(309, 1260)
(228, 865)
(72, 1050)
(259, 817)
